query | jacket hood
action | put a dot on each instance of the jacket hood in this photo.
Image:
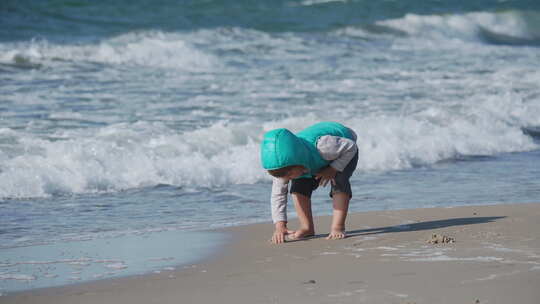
(281, 148)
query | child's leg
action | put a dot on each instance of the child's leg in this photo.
(341, 194)
(302, 204)
(301, 190)
(341, 206)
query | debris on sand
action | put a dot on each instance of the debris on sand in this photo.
(440, 239)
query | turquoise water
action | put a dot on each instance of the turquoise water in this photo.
(120, 119)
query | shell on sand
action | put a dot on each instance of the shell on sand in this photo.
(440, 239)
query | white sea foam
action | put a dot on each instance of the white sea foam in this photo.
(443, 258)
(18, 277)
(128, 156)
(81, 261)
(426, 253)
(116, 266)
(492, 277)
(341, 294)
(123, 156)
(393, 133)
(489, 127)
(315, 2)
(399, 295)
(387, 248)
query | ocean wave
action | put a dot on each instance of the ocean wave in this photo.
(503, 28)
(123, 156)
(316, 2)
(25, 19)
(209, 49)
(151, 49)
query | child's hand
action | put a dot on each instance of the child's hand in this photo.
(326, 175)
(280, 232)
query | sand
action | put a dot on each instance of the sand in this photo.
(388, 257)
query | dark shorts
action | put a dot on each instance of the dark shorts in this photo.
(306, 186)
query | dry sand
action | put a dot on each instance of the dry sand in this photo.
(387, 258)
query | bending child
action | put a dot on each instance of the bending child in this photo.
(323, 153)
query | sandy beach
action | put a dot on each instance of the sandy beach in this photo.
(474, 254)
(134, 139)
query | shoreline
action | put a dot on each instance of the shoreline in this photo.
(27, 268)
(385, 258)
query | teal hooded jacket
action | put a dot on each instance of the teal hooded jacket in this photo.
(281, 148)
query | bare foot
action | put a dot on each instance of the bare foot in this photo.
(336, 235)
(301, 233)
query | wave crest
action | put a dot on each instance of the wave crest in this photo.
(510, 27)
(153, 49)
(123, 156)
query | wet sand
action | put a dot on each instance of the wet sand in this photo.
(474, 254)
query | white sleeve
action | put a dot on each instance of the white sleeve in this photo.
(278, 201)
(338, 150)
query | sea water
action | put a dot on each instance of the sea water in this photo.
(139, 122)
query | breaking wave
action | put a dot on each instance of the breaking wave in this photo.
(123, 156)
(149, 49)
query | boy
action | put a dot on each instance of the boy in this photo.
(322, 153)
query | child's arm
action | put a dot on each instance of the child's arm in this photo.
(339, 151)
(278, 203)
